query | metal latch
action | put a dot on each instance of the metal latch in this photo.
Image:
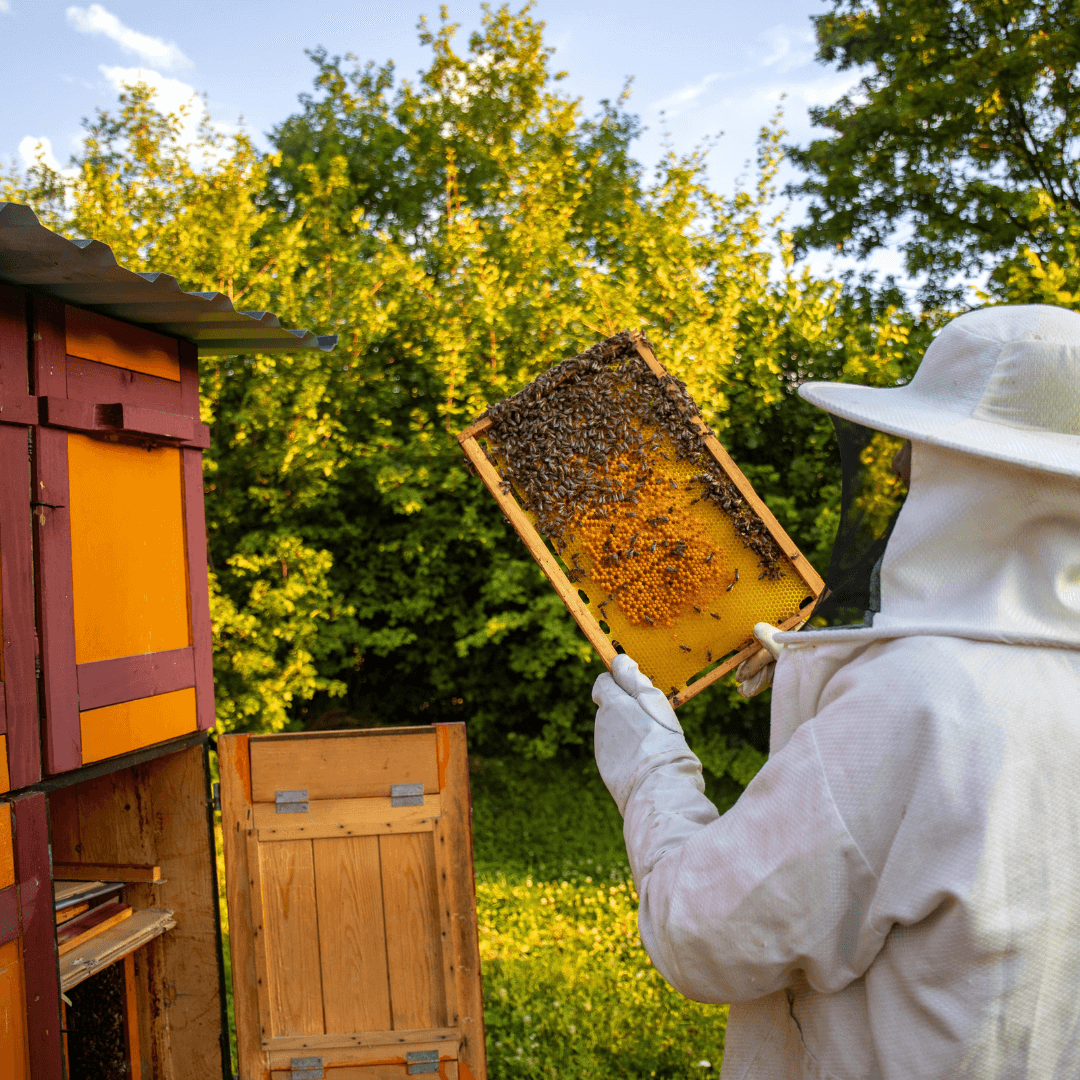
(421, 1061)
(406, 795)
(306, 1068)
(291, 802)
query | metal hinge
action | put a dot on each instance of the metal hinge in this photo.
(291, 802)
(421, 1061)
(217, 795)
(406, 794)
(306, 1068)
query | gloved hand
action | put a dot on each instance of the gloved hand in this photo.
(755, 673)
(634, 723)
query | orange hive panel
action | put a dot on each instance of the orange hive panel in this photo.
(670, 558)
(128, 558)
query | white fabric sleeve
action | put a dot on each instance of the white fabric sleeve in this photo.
(729, 910)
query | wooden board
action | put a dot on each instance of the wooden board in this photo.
(70, 913)
(571, 593)
(119, 729)
(113, 944)
(69, 872)
(352, 927)
(108, 341)
(14, 1057)
(96, 921)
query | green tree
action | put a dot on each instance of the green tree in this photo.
(963, 129)
(461, 236)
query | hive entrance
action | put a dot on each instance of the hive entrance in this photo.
(605, 457)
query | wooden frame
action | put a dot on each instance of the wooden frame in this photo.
(102, 400)
(568, 591)
(444, 817)
(19, 725)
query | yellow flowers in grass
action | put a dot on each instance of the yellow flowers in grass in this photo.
(570, 992)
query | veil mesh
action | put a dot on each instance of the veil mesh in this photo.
(852, 591)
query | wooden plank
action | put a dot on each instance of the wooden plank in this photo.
(9, 914)
(362, 1047)
(234, 768)
(198, 588)
(131, 1019)
(453, 835)
(109, 341)
(342, 768)
(119, 729)
(110, 682)
(71, 913)
(413, 945)
(189, 378)
(101, 384)
(38, 936)
(178, 787)
(89, 926)
(567, 591)
(5, 776)
(352, 935)
(49, 336)
(345, 817)
(106, 872)
(65, 890)
(52, 532)
(7, 850)
(357, 1072)
(14, 1060)
(261, 942)
(17, 617)
(287, 874)
(112, 945)
(128, 561)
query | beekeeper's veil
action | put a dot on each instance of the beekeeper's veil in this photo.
(987, 543)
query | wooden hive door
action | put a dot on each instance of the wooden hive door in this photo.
(352, 908)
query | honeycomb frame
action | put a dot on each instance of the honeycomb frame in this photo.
(734, 640)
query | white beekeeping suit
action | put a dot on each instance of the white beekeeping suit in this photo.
(897, 893)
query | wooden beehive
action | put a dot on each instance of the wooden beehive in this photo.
(674, 569)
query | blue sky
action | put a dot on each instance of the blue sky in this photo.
(698, 68)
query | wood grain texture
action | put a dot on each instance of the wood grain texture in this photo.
(48, 366)
(567, 591)
(101, 384)
(38, 936)
(131, 1019)
(70, 913)
(7, 849)
(17, 617)
(453, 835)
(445, 1040)
(52, 548)
(118, 729)
(9, 914)
(14, 1056)
(110, 682)
(235, 773)
(105, 872)
(345, 817)
(343, 768)
(292, 938)
(413, 941)
(108, 341)
(14, 361)
(115, 942)
(198, 588)
(352, 935)
(96, 921)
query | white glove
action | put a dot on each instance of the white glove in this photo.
(635, 723)
(755, 673)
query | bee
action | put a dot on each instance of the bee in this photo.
(673, 484)
(711, 556)
(670, 569)
(685, 648)
(697, 500)
(714, 615)
(736, 573)
(634, 537)
(652, 546)
(708, 655)
(649, 621)
(697, 609)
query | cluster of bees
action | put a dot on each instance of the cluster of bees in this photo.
(587, 448)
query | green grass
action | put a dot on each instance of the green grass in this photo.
(568, 989)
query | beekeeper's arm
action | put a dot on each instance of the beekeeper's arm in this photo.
(731, 906)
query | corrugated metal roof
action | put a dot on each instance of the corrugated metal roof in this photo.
(86, 273)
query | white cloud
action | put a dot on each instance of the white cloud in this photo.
(28, 151)
(5, 6)
(788, 50)
(687, 94)
(96, 20)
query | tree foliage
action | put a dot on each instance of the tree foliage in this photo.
(461, 235)
(963, 129)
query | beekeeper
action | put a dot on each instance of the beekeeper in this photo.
(897, 892)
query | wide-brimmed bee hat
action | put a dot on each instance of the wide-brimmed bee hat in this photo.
(1001, 383)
